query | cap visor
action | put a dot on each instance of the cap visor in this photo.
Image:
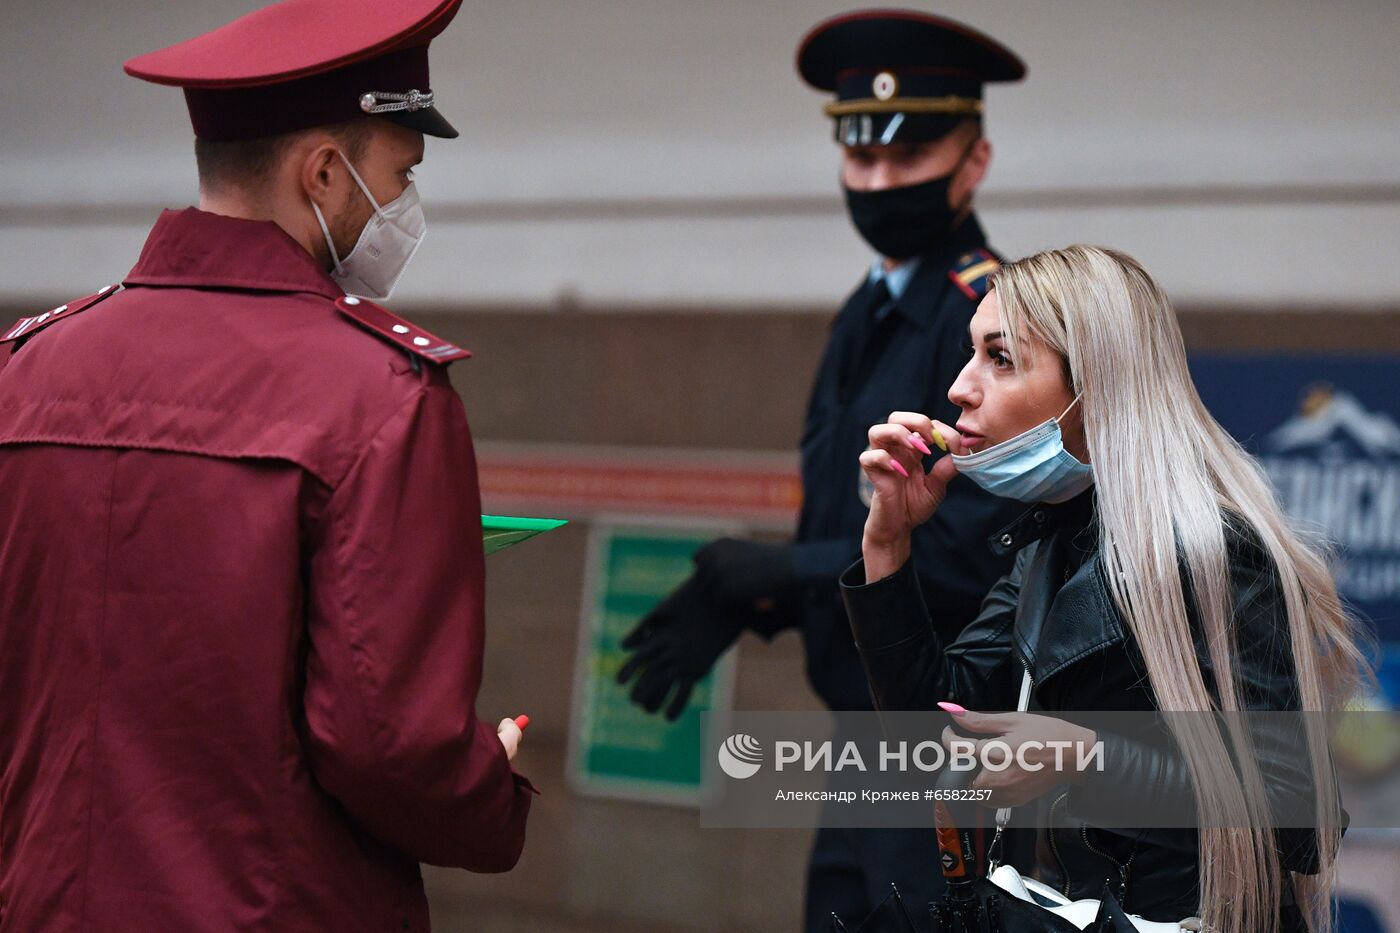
(427, 121)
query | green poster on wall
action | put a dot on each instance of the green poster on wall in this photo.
(617, 749)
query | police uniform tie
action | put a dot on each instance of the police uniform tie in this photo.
(866, 321)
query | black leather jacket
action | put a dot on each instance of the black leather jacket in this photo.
(1054, 614)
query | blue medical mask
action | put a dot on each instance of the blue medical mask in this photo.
(1031, 467)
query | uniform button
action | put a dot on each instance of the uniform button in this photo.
(421, 341)
(59, 310)
(1006, 540)
(351, 300)
(400, 329)
(104, 289)
(1039, 516)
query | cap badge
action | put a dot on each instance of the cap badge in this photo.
(390, 101)
(884, 86)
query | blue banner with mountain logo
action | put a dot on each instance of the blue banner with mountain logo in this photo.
(1327, 429)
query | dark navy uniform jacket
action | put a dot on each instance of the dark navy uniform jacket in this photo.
(910, 359)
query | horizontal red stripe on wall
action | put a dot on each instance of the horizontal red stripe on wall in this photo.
(760, 488)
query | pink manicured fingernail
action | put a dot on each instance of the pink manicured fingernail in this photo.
(919, 444)
(899, 468)
(953, 708)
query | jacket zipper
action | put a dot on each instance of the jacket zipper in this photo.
(1123, 867)
(1026, 666)
(1054, 848)
(1064, 868)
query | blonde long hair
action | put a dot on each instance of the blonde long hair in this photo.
(1165, 472)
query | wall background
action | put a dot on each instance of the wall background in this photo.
(624, 152)
(640, 235)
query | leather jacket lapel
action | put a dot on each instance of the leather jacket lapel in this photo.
(1081, 619)
(1034, 604)
(1060, 617)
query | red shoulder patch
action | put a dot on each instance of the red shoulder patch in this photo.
(27, 326)
(385, 323)
(970, 273)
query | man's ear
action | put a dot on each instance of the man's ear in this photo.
(979, 160)
(317, 170)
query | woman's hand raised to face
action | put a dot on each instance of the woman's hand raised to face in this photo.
(904, 497)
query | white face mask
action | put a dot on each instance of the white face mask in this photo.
(386, 244)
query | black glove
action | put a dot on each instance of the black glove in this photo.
(675, 645)
(746, 576)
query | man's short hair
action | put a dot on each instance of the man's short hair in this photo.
(247, 165)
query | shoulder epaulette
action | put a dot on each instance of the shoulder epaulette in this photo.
(27, 326)
(971, 270)
(385, 323)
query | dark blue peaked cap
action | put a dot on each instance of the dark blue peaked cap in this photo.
(901, 75)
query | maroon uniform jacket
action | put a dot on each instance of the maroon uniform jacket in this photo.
(241, 614)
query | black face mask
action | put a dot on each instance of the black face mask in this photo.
(900, 223)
